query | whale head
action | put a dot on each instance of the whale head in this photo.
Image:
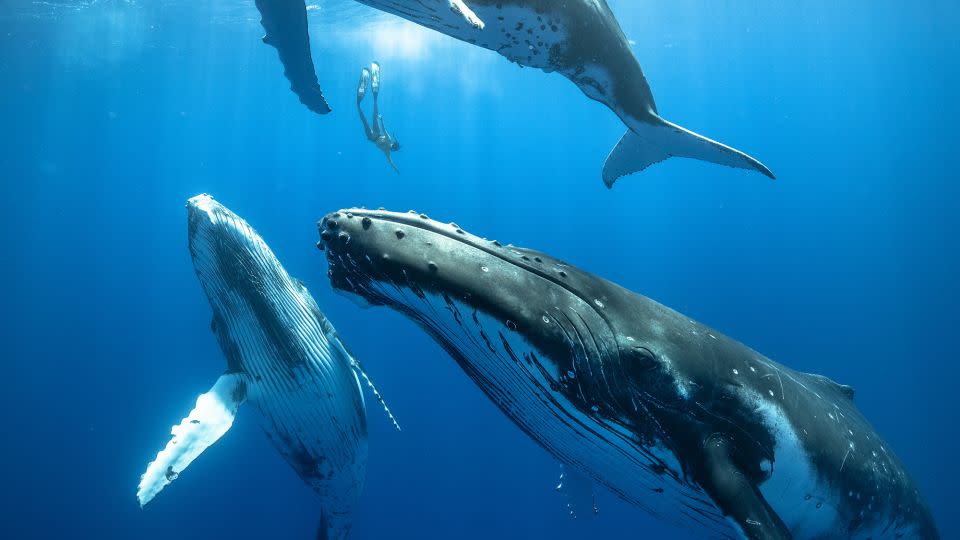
(249, 291)
(519, 322)
(227, 251)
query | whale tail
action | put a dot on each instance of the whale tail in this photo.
(285, 23)
(652, 142)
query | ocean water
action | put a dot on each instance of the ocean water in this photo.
(113, 113)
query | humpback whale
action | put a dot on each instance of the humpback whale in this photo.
(284, 357)
(580, 39)
(666, 412)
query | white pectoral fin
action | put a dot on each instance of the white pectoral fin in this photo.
(207, 422)
(578, 492)
(459, 6)
(647, 143)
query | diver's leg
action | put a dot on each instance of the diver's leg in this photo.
(366, 127)
(361, 91)
(377, 118)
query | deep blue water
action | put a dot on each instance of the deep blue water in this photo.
(114, 113)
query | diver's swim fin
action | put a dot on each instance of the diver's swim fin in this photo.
(375, 78)
(653, 142)
(362, 86)
(207, 422)
(285, 22)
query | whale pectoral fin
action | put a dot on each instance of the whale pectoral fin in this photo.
(647, 143)
(736, 496)
(209, 420)
(580, 498)
(362, 374)
(459, 6)
(285, 23)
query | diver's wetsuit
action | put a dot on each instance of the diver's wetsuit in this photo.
(378, 135)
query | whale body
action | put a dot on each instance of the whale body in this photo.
(666, 412)
(284, 358)
(580, 39)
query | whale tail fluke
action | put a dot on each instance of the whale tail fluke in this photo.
(653, 142)
(285, 23)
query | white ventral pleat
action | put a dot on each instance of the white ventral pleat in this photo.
(207, 422)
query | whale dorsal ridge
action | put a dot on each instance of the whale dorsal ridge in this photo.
(845, 390)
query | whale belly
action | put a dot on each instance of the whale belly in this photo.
(519, 33)
(307, 393)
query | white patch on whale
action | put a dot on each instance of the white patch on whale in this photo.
(209, 420)
(806, 506)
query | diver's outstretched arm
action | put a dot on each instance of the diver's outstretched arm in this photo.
(392, 164)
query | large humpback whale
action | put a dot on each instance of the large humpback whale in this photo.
(666, 412)
(284, 357)
(581, 39)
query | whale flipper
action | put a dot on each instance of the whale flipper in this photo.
(736, 495)
(358, 369)
(285, 23)
(458, 6)
(209, 420)
(652, 142)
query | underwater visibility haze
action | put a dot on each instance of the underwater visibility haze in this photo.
(117, 112)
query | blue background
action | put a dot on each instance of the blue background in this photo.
(113, 113)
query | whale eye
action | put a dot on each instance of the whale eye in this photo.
(642, 359)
